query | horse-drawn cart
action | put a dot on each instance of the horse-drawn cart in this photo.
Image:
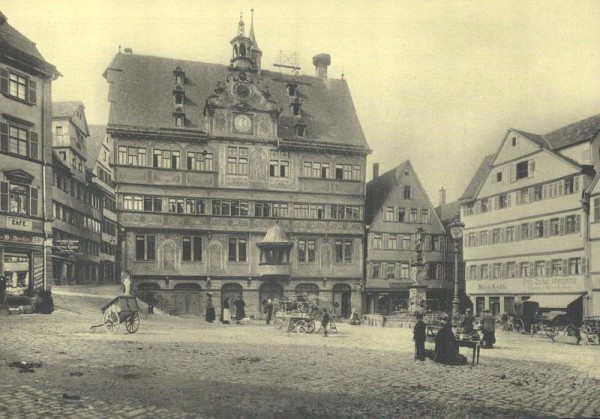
(122, 309)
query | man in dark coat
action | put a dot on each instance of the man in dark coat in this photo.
(325, 322)
(488, 326)
(240, 312)
(269, 311)
(467, 323)
(419, 338)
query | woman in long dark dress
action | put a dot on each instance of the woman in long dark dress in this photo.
(445, 346)
(210, 311)
(240, 312)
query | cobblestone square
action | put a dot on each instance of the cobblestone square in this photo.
(185, 367)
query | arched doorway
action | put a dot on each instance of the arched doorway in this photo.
(188, 298)
(231, 291)
(341, 299)
(270, 290)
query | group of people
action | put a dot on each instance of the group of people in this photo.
(446, 346)
(226, 317)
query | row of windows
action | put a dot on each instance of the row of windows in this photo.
(71, 216)
(399, 215)
(76, 189)
(108, 249)
(556, 226)
(538, 268)
(406, 242)
(105, 176)
(237, 162)
(110, 203)
(226, 207)
(18, 86)
(191, 249)
(19, 140)
(76, 161)
(109, 227)
(536, 193)
(21, 199)
(322, 170)
(401, 270)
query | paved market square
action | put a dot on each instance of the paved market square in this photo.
(185, 367)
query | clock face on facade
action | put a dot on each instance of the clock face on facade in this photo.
(242, 90)
(242, 123)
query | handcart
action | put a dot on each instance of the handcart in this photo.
(122, 309)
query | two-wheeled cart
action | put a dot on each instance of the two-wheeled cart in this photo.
(122, 309)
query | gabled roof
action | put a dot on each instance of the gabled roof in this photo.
(480, 175)
(12, 39)
(69, 110)
(141, 95)
(537, 139)
(94, 144)
(378, 190)
(448, 212)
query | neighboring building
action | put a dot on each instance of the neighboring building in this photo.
(237, 181)
(76, 201)
(25, 148)
(526, 224)
(397, 206)
(99, 164)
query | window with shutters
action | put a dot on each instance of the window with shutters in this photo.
(540, 266)
(473, 272)
(483, 239)
(557, 267)
(402, 214)
(18, 86)
(524, 271)
(503, 201)
(538, 229)
(389, 214)
(484, 272)
(554, 227)
(390, 270)
(575, 266)
(192, 249)
(496, 236)
(343, 251)
(571, 185)
(376, 270)
(17, 198)
(497, 270)
(377, 242)
(522, 170)
(404, 270)
(425, 216)
(19, 140)
(414, 215)
(511, 270)
(392, 242)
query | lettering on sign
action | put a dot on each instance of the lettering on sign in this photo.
(66, 246)
(528, 285)
(15, 223)
(15, 238)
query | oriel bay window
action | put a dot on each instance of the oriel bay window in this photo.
(237, 250)
(343, 251)
(145, 248)
(192, 249)
(306, 251)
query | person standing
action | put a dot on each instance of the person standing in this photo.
(210, 311)
(269, 310)
(488, 326)
(2, 290)
(419, 338)
(240, 311)
(467, 323)
(325, 322)
(225, 312)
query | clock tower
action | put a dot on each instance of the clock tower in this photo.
(245, 52)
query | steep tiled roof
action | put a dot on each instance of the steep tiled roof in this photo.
(68, 110)
(478, 178)
(378, 190)
(13, 42)
(448, 212)
(141, 95)
(94, 144)
(574, 133)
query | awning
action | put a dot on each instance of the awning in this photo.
(554, 301)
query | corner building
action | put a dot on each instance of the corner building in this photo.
(25, 165)
(237, 181)
(526, 221)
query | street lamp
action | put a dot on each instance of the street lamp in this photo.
(456, 230)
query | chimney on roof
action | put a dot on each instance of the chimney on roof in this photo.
(2, 18)
(128, 51)
(375, 170)
(442, 196)
(321, 62)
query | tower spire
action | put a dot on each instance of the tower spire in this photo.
(252, 37)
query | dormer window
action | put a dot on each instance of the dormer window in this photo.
(291, 88)
(179, 76)
(300, 130)
(179, 118)
(179, 121)
(295, 106)
(179, 97)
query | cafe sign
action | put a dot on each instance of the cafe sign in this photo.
(15, 223)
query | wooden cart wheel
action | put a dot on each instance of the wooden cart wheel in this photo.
(300, 326)
(310, 326)
(132, 323)
(111, 321)
(587, 329)
(519, 326)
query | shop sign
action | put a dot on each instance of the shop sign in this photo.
(15, 223)
(66, 246)
(15, 238)
(571, 283)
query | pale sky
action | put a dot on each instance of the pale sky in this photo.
(436, 82)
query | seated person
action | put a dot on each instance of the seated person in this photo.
(446, 351)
